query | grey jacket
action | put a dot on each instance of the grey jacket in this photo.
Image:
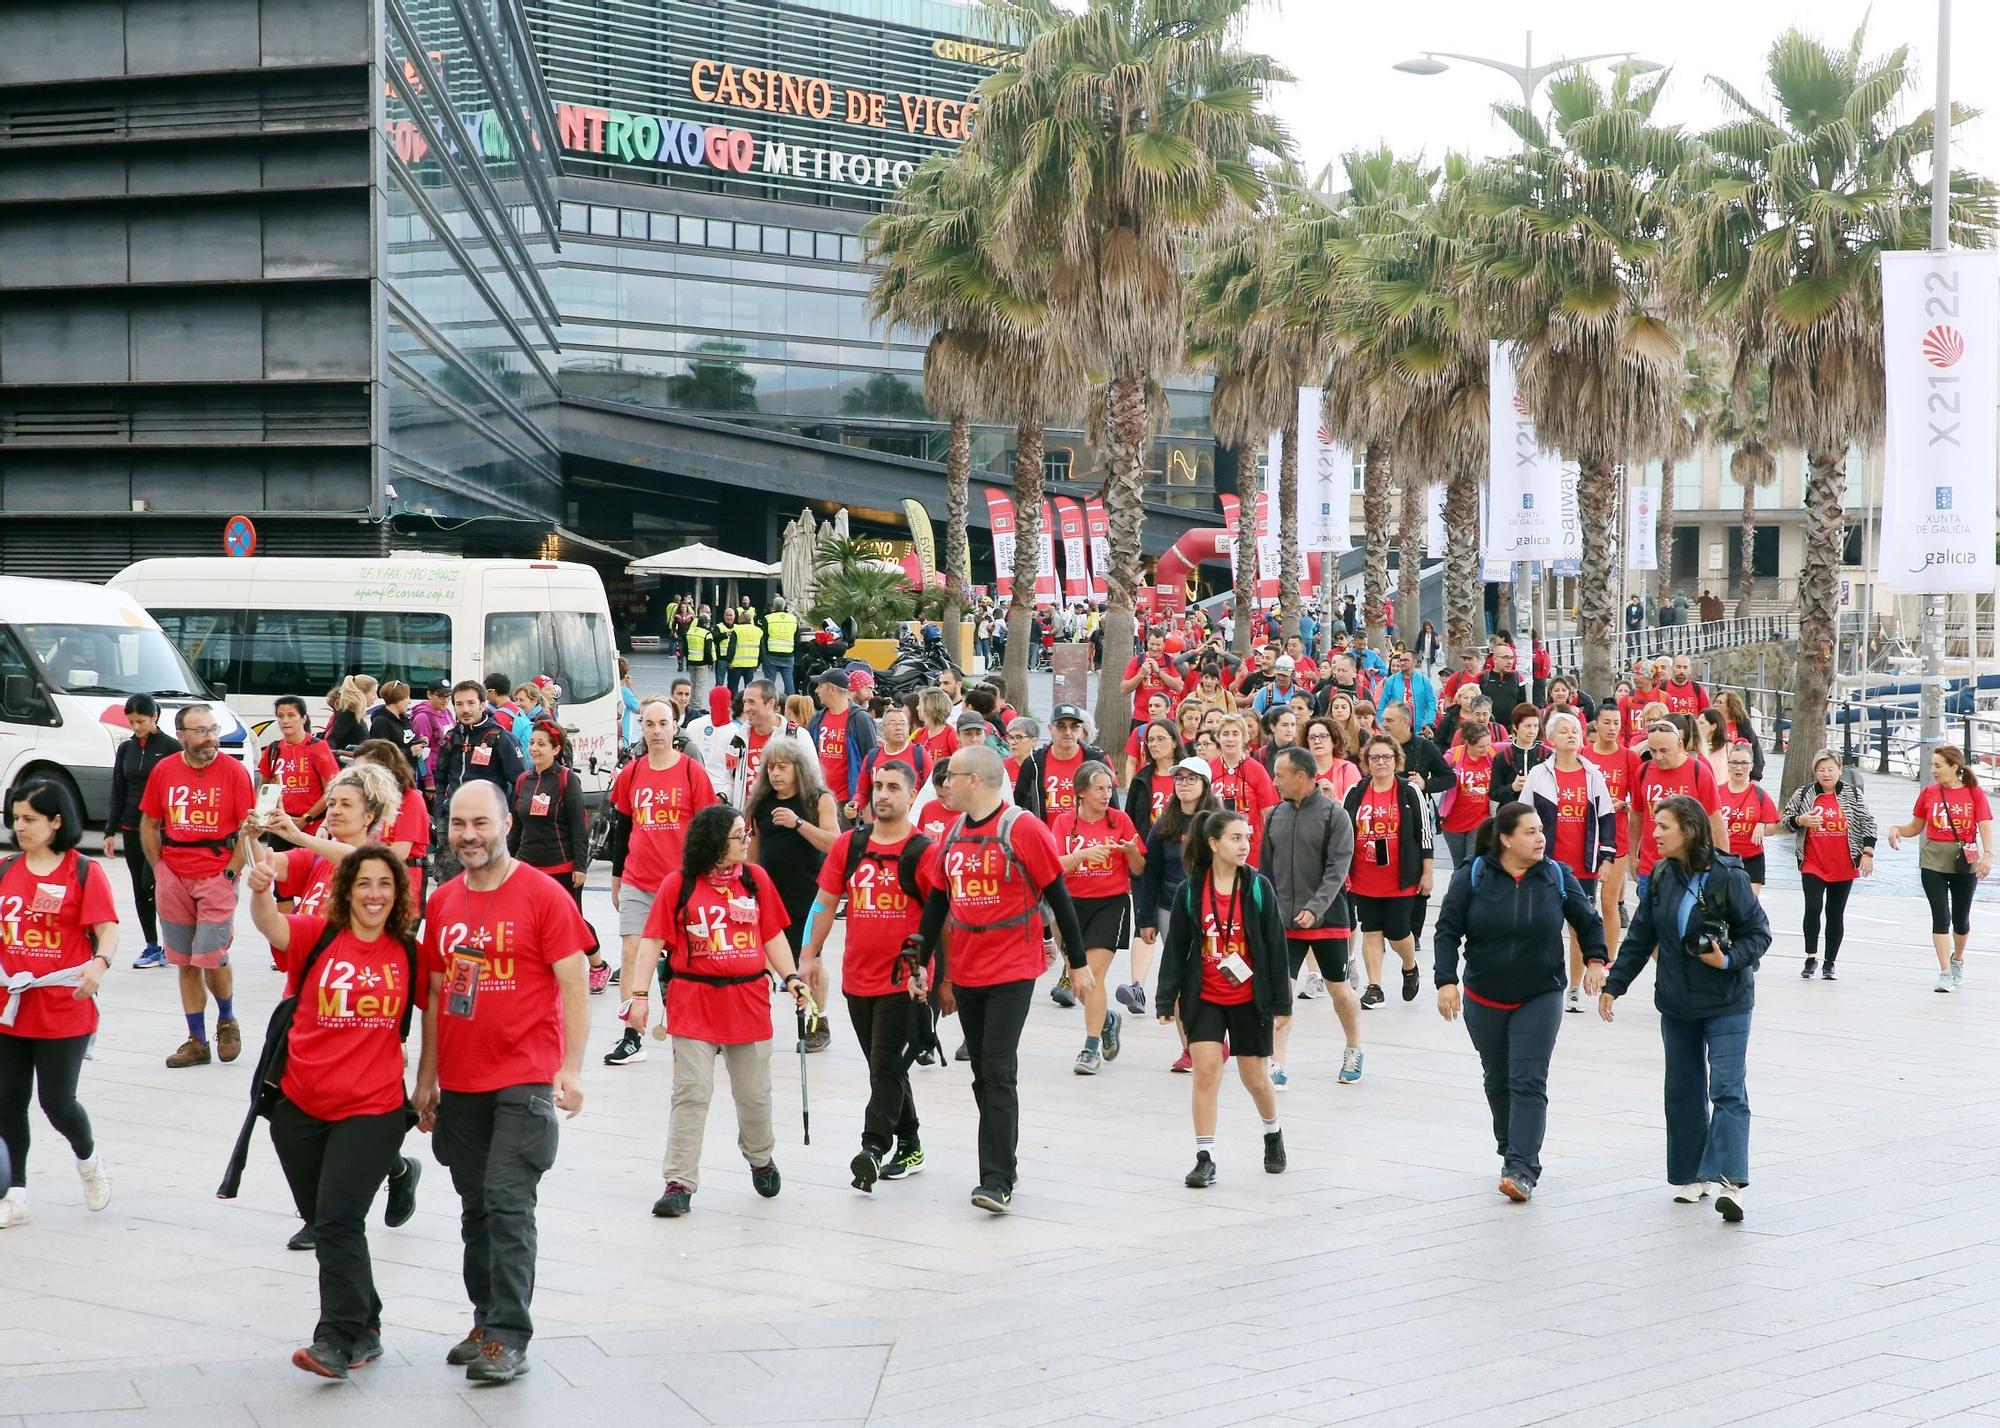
(1307, 849)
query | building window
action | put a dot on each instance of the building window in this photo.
(850, 249)
(603, 221)
(775, 240)
(694, 232)
(665, 227)
(631, 223)
(826, 247)
(575, 218)
(802, 243)
(1056, 464)
(749, 238)
(721, 234)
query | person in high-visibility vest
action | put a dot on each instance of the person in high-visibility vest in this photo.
(781, 641)
(701, 643)
(746, 643)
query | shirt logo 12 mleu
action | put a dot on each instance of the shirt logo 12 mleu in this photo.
(1943, 346)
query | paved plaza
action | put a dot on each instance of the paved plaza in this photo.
(1380, 1280)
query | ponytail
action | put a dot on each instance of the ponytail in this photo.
(1505, 819)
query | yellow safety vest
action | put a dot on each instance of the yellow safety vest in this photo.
(697, 643)
(743, 654)
(783, 628)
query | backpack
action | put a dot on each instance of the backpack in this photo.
(1002, 833)
(267, 761)
(667, 969)
(83, 862)
(1563, 875)
(907, 862)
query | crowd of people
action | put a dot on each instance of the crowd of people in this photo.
(1274, 829)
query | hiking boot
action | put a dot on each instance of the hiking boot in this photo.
(303, 1238)
(909, 1160)
(1517, 1187)
(323, 1357)
(1114, 1026)
(820, 1037)
(1274, 1152)
(402, 1199)
(466, 1349)
(1203, 1174)
(600, 978)
(1060, 993)
(366, 1350)
(497, 1363)
(630, 1050)
(867, 1169)
(192, 1053)
(674, 1202)
(228, 1039)
(766, 1180)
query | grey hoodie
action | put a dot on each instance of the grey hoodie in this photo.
(1307, 849)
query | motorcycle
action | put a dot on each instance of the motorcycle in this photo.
(918, 665)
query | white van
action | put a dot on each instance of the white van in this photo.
(265, 626)
(70, 656)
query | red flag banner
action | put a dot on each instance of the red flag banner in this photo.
(1076, 570)
(1000, 512)
(1098, 523)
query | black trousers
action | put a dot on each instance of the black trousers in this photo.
(142, 884)
(992, 1018)
(882, 1027)
(1514, 1050)
(498, 1145)
(1950, 897)
(50, 1065)
(1834, 898)
(334, 1169)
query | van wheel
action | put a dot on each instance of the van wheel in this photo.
(42, 773)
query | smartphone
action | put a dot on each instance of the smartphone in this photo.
(269, 798)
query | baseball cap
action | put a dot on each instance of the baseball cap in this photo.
(438, 686)
(835, 677)
(1287, 662)
(1066, 711)
(1197, 766)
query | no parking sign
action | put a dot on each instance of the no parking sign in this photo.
(239, 537)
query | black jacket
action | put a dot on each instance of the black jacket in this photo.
(1421, 757)
(131, 766)
(1166, 869)
(398, 730)
(1512, 929)
(558, 836)
(456, 762)
(1511, 761)
(1028, 788)
(1413, 830)
(344, 731)
(1685, 986)
(1139, 801)
(1505, 690)
(1264, 929)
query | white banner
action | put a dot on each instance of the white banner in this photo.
(1435, 541)
(1642, 524)
(1326, 480)
(1940, 330)
(1493, 570)
(1533, 492)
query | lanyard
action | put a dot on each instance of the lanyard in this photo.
(1226, 925)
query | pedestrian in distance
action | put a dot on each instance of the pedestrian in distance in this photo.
(1698, 913)
(1100, 851)
(1835, 846)
(1504, 914)
(793, 825)
(1225, 979)
(1568, 794)
(1607, 751)
(1750, 814)
(1955, 822)
(131, 765)
(298, 763)
(1308, 850)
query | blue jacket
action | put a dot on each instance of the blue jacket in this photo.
(1416, 691)
(861, 742)
(1512, 929)
(1684, 985)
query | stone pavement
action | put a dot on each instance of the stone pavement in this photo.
(1381, 1280)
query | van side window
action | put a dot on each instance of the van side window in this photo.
(212, 640)
(17, 685)
(583, 655)
(296, 651)
(516, 646)
(411, 645)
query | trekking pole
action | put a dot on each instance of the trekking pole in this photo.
(805, 1105)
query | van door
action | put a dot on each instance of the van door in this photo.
(27, 716)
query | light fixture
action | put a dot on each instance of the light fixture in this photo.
(1425, 65)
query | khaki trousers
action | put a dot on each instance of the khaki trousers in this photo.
(749, 1066)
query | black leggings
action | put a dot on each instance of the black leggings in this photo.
(142, 883)
(51, 1066)
(1834, 896)
(1950, 897)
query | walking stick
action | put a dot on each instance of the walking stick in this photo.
(805, 1105)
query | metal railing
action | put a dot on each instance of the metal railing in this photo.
(1666, 641)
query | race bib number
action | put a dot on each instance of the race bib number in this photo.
(461, 988)
(538, 805)
(482, 755)
(48, 898)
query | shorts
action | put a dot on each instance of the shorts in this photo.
(1246, 1030)
(1393, 917)
(1329, 952)
(1106, 921)
(635, 905)
(1754, 866)
(197, 918)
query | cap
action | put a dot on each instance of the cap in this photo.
(835, 677)
(1196, 766)
(1287, 662)
(1066, 711)
(971, 719)
(438, 686)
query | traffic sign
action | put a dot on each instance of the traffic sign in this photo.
(239, 537)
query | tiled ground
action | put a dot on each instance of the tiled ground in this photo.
(1382, 1280)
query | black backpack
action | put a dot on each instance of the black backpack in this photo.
(907, 862)
(668, 971)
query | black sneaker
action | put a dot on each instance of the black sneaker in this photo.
(1373, 996)
(630, 1050)
(1412, 983)
(924, 1058)
(964, 1053)
(908, 1161)
(466, 1349)
(1203, 1174)
(1826, 973)
(497, 1363)
(614, 974)
(993, 1198)
(366, 1350)
(867, 1168)
(402, 1199)
(674, 1202)
(766, 1180)
(1812, 966)
(323, 1357)
(305, 1239)
(1274, 1152)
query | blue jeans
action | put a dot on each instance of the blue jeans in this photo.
(779, 668)
(1708, 1104)
(1639, 892)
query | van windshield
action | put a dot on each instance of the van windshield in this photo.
(110, 660)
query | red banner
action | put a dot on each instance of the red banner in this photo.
(1000, 512)
(1076, 568)
(1098, 524)
(1046, 590)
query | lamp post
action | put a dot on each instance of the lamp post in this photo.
(1529, 76)
(1930, 703)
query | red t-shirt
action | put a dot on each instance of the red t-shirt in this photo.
(933, 819)
(412, 825)
(302, 770)
(198, 805)
(1475, 794)
(1827, 855)
(721, 933)
(1110, 877)
(1223, 931)
(1654, 786)
(1161, 794)
(1953, 815)
(940, 743)
(986, 889)
(44, 927)
(1632, 712)
(1248, 789)
(1618, 768)
(1059, 783)
(345, 1054)
(881, 916)
(305, 878)
(1342, 776)
(907, 756)
(1146, 691)
(833, 753)
(661, 803)
(1573, 815)
(1683, 697)
(1746, 811)
(501, 945)
(1378, 819)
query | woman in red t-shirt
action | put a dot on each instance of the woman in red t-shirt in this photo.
(342, 1106)
(1957, 851)
(1392, 864)
(59, 926)
(721, 925)
(1750, 815)
(409, 833)
(362, 801)
(1100, 851)
(1464, 808)
(1835, 845)
(1606, 749)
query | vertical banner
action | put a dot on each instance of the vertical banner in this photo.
(1493, 570)
(1326, 479)
(1267, 548)
(1000, 514)
(1227, 540)
(1531, 494)
(1097, 522)
(1435, 541)
(1642, 523)
(1047, 592)
(924, 540)
(1076, 570)
(1940, 322)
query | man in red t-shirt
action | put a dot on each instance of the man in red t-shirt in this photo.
(506, 1010)
(844, 735)
(196, 803)
(883, 1000)
(1046, 785)
(299, 764)
(1671, 770)
(1148, 674)
(1681, 694)
(992, 870)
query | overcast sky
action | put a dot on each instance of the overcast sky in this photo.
(1349, 95)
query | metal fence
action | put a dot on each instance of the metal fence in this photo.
(1666, 641)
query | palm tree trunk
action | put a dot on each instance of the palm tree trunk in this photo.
(1246, 562)
(1597, 508)
(1027, 560)
(1410, 558)
(1461, 560)
(1825, 539)
(1288, 526)
(1663, 535)
(957, 499)
(1377, 503)
(1124, 489)
(1746, 546)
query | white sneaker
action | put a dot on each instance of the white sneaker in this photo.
(1958, 971)
(1691, 1194)
(13, 1208)
(96, 1182)
(1729, 1201)
(1312, 986)
(1575, 1002)
(1944, 983)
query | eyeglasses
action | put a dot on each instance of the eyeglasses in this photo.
(1381, 758)
(739, 835)
(202, 729)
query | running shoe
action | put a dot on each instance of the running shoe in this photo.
(1958, 971)
(13, 1208)
(1518, 1188)
(1185, 1064)
(1310, 986)
(631, 1048)
(1279, 1080)
(1132, 997)
(467, 1349)
(1274, 1152)
(402, 1197)
(867, 1169)
(1113, 1031)
(153, 956)
(323, 1357)
(994, 1199)
(1826, 973)
(1812, 966)
(1350, 1065)
(96, 1182)
(1574, 1002)
(1692, 1194)
(1373, 996)
(600, 978)
(1060, 993)
(1729, 1202)
(765, 1180)
(1203, 1174)
(1413, 978)
(497, 1363)
(674, 1202)
(1088, 1063)
(908, 1161)
(1943, 982)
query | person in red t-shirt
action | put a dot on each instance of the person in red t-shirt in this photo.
(361, 802)
(341, 1113)
(301, 765)
(1391, 867)
(1579, 826)
(1956, 822)
(1100, 851)
(1606, 748)
(1681, 694)
(1835, 845)
(409, 832)
(992, 870)
(1468, 805)
(935, 733)
(196, 803)
(1148, 673)
(883, 1000)
(59, 931)
(1750, 814)
(1671, 770)
(1242, 783)
(721, 924)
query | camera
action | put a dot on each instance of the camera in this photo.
(1705, 927)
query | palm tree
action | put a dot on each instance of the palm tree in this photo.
(1117, 135)
(1743, 427)
(1701, 397)
(1781, 245)
(1568, 251)
(1410, 529)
